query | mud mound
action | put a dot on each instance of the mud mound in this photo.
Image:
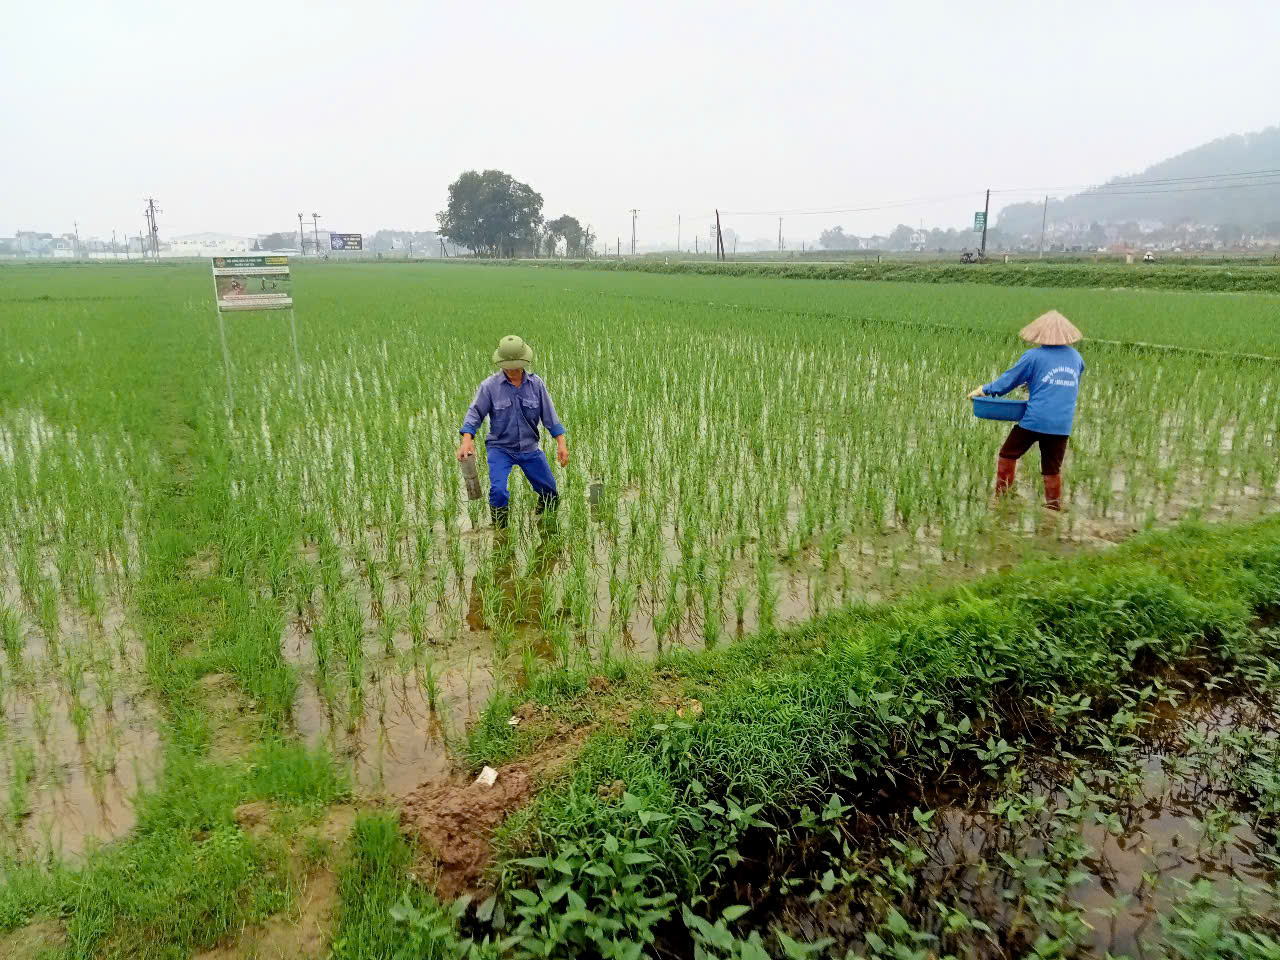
(454, 820)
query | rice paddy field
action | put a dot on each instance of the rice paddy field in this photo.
(787, 684)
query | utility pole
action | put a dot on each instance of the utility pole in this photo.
(76, 226)
(411, 246)
(1044, 218)
(302, 238)
(114, 255)
(986, 212)
(618, 252)
(779, 234)
(633, 232)
(153, 227)
(719, 239)
(677, 233)
(315, 233)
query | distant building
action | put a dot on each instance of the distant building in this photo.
(207, 245)
(34, 243)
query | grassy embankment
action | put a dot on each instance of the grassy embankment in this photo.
(1207, 278)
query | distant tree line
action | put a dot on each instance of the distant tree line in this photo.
(904, 237)
(494, 214)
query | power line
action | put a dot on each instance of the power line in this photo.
(1118, 184)
(822, 212)
(1252, 178)
(1148, 193)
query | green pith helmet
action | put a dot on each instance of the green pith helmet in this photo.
(513, 353)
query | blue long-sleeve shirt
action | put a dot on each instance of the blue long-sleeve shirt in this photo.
(1052, 376)
(514, 412)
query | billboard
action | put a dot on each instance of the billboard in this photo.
(252, 283)
(346, 241)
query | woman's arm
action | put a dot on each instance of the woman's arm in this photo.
(1012, 378)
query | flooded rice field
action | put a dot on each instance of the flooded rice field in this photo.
(78, 735)
(399, 641)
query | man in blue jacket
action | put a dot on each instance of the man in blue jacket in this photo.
(516, 402)
(1052, 374)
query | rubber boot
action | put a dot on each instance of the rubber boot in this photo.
(1053, 491)
(500, 517)
(1005, 471)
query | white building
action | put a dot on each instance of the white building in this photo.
(205, 245)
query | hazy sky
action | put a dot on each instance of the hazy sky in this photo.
(238, 115)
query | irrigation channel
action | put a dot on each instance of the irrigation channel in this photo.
(1161, 830)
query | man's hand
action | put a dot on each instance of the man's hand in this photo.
(562, 451)
(467, 448)
(976, 393)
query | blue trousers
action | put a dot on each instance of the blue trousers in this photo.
(533, 464)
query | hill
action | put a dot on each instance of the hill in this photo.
(1212, 200)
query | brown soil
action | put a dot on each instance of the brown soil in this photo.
(40, 939)
(300, 934)
(202, 565)
(304, 930)
(252, 817)
(232, 724)
(454, 820)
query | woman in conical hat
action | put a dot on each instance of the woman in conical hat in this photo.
(1051, 370)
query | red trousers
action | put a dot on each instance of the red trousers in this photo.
(1053, 448)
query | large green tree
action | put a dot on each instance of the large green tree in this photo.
(285, 240)
(492, 213)
(569, 230)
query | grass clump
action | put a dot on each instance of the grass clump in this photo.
(386, 913)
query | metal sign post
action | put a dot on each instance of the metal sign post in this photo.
(226, 354)
(226, 363)
(297, 360)
(253, 283)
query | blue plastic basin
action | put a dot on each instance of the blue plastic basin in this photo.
(998, 408)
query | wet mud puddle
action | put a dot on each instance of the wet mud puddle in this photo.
(1123, 857)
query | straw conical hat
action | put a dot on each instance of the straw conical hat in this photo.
(1051, 330)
